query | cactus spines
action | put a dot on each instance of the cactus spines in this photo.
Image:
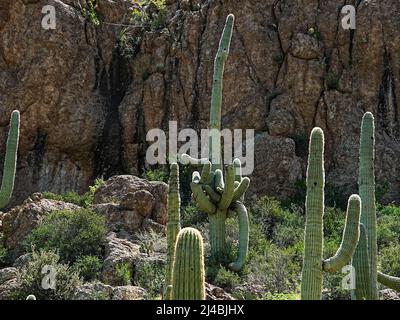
(367, 287)
(366, 189)
(362, 268)
(219, 191)
(7, 184)
(311, 279)
(216, 95)
(350, 237)
(241, 212)
(313, 264)
(188, 270)
(389, 281)
(173, 225)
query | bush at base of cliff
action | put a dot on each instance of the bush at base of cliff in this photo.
(85, 200)
(30, 277)
(89, 267)
(123, 274)
(73, 234)
(151, 277)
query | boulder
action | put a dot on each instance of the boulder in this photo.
(8, 283)
(101, 291)
(19, 221)
(217, 293)
(128, 201)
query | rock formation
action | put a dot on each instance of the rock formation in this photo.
(86, 109)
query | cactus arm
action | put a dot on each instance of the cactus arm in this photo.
(10, 162)
(215, 197)
(366, 185)
(188, 272)
(243, 236)
(360, 263)
(350, 237)
(168, 292)
(205, 172)
(196, 177)
(219, 181)
(186, 159)
(389, 281)
(238, 166)
(202, 201)
(241, 189)
(227, 194)
(217, 88)
(311, 278)
(173, 224)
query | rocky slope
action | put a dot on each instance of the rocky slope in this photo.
(86, 109)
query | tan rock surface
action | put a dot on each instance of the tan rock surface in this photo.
(86, 110)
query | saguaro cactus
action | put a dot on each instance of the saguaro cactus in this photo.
(173, 225)
(217, 191)
(313, 264)
(188, 271)
(10, 162)
(361, 267)
(367, 287)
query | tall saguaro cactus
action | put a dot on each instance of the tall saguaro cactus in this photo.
(10, 162)
(219, 191)
(188, 271)
(366, 264)
(313, 263)
(173, 225)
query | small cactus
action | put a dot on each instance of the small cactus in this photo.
(31, 297)
(10, 162)
(188, 270)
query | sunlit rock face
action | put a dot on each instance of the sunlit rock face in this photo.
(86, 109)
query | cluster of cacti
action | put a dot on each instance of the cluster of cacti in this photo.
(188, 269)
(10, 162)
(219, 191)
(365, 256)
(173, 225)
(313, 263)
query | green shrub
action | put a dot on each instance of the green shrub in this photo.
(73, 233)
(30, 277)
(333, 287)
(90, 12)
(227, 279)
(388, 230)
(145, 15)
(89, 267)
(3, 256)
(274, 219)
(153, 19)
(158, 174)
(151, 241)
(123, 274)
(86, 200)
(281, 296)
(192, 216)
(390, 261)
(150, 276)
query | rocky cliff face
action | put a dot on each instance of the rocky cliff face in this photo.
(86, 108)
